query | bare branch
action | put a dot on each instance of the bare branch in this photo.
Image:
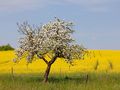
(41, 57)
(53, 59)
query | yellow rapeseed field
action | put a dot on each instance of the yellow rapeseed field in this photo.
(97, 61)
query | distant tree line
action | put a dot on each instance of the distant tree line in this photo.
(6, 47)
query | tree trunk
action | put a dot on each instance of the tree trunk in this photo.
(47, 72)
(48, 67)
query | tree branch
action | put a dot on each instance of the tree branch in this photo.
(41, 57)
(49, 56)
(53, 59)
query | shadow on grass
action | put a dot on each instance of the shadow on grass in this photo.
(39, 78)
(55, 78)
(62, 79)
(67, 79)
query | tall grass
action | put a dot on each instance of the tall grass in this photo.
(96, 65)
(110, 65)
(101, 81)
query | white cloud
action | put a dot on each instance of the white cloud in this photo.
(88, 2)
(93, 5)
(10, 5)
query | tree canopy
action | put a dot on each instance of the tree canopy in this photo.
(6, 47)
(54, 38)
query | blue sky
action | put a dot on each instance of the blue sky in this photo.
(97, 22)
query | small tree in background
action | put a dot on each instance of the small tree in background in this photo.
(53, 39)
(6, 47)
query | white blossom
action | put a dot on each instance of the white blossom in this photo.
(53, 37)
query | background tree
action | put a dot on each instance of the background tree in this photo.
(6, 47)
(53, 39)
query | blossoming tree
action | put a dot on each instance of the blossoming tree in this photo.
(53, 38)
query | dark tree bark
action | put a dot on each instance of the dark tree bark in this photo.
(47, 73)
(49, 67)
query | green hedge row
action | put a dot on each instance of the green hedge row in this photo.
(6, 47)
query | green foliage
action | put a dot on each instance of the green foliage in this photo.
(6, 47)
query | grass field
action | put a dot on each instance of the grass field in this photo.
(78, 81)
(98, 71)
